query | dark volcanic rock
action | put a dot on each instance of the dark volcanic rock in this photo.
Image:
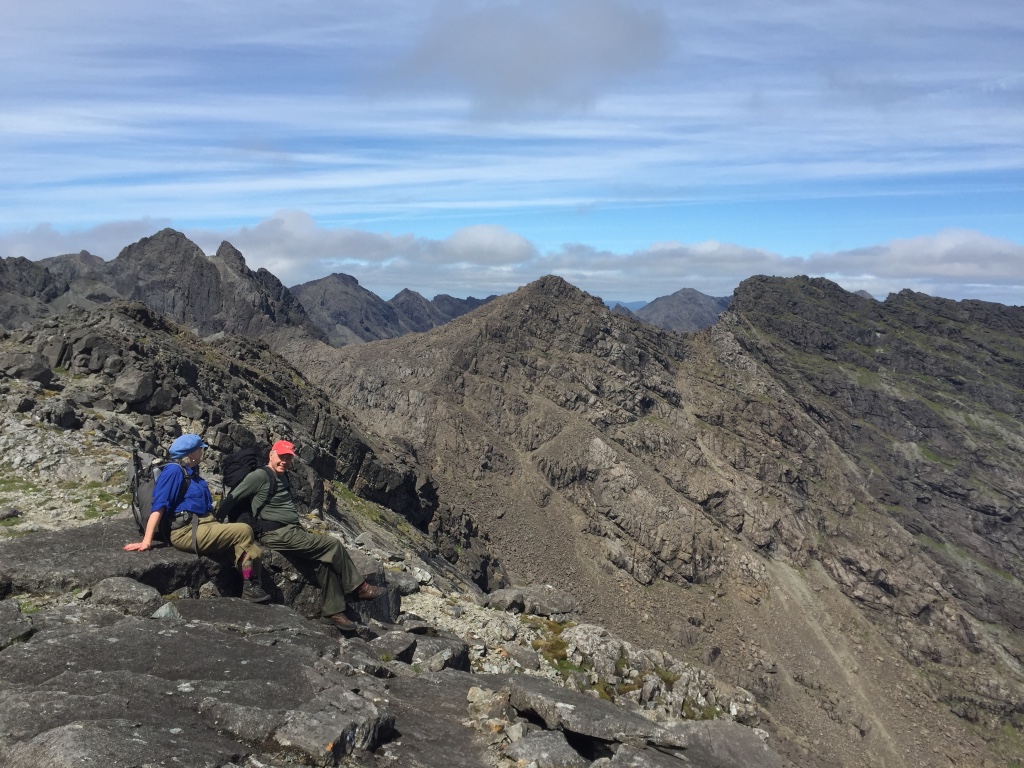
(451, 307)
(141, 364)
(26, 287)
(347, 312)
(416, 312)
(169, 274)
(173, 277)
(219, 681)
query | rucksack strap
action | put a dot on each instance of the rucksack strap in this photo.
(271, 490)
(183, 489)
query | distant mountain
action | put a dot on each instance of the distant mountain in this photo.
(346, 312)
(632, 306)
(618, 309)
(417, 313)
(169, 274)
(219, 293)
(72, 266)
(350, 314)
(451, 307)
(685, 310)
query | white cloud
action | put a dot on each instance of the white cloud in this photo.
(104, 240)
(486, 259)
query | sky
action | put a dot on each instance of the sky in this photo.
(469, 147)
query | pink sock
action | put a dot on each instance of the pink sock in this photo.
(247, 572)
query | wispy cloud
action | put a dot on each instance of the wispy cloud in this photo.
(778, 124)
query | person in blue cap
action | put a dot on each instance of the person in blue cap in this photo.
(193, 527)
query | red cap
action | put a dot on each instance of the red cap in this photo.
(283, 448)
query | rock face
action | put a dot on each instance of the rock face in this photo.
(25, 290)
(105, 670)
(219, 294)
(685, 310)
(841, 474)
(133, 378)
(349, 314)
(173, 277)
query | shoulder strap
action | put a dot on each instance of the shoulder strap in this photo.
(272, 479)
(183, 488)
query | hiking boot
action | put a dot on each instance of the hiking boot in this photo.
(369, 592)
(339, 621)
(253, 592)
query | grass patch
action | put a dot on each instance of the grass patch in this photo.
(694, 711)
(553, 649)
(356, 505)
(17, 485)
(668, 679)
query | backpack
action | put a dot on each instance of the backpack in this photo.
(234, 468)
(141, 480)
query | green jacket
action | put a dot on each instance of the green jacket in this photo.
(279, 509)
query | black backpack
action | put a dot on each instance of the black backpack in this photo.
(235, 467)
(142, 477)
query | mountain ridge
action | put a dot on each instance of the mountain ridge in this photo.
(546, 401)
(819, 496)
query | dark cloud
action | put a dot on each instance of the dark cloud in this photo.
(514, 58)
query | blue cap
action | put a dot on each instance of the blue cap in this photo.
(185, 444)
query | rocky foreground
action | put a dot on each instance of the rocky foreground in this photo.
(130, 659)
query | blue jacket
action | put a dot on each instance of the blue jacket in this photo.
(198, 498)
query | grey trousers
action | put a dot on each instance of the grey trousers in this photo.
(335, 570)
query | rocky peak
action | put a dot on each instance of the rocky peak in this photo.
(232, 258)
(416, 313)
(685, 310)
(346, 312)
(71, 266)
(451, 307)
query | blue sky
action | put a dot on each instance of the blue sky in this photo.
(469, 147)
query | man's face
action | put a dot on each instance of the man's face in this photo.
(280, 462)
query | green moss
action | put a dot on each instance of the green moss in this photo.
(553, 649)
(356, 505)
(694, 711)
(620, 665)
(546, 625)
(668, 679)
(604, 690)
(628, 686)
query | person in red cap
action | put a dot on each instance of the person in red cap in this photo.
(184, 496)
(280, 529)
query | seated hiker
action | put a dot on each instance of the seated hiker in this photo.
(192, 526)
(278, 526)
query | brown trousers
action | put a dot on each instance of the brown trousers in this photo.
(214, 538)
